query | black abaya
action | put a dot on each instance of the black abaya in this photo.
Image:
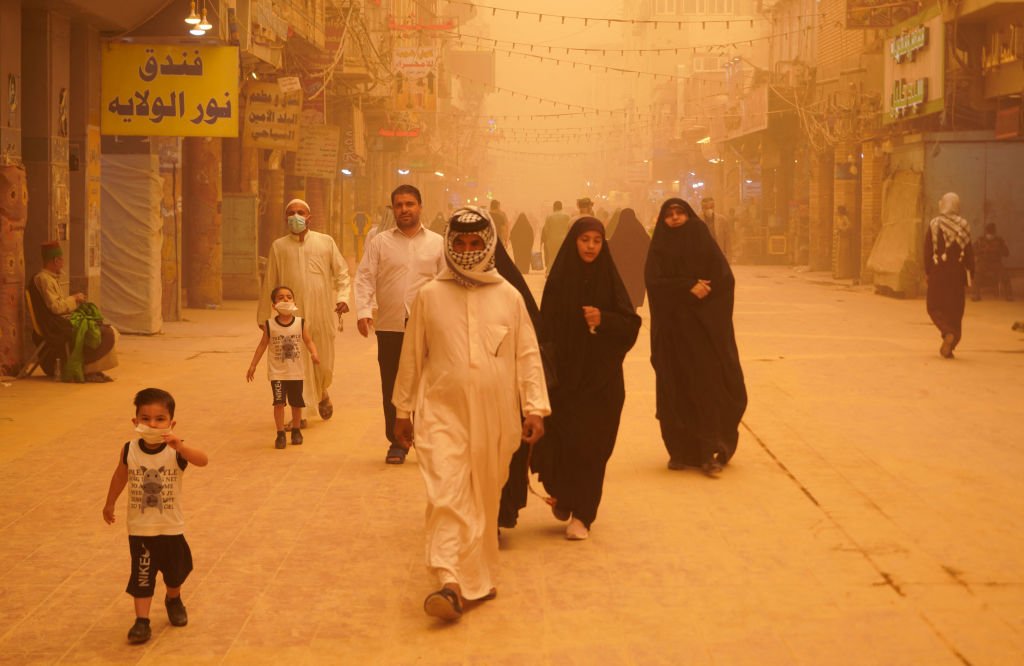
(513, 494)
(587, 403)
(947, 280)
(522, 243)
(700, 391)
(629, 250)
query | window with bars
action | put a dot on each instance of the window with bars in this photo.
(708, 6)
(665, 7)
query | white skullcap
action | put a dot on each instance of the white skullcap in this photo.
(296, 201)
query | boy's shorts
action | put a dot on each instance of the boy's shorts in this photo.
(169, 554)
(290, 388)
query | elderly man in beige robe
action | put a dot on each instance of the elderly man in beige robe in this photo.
(470, 369)
(310, 264)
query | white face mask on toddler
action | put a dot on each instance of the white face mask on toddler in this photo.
(286, 307)
(152, 435)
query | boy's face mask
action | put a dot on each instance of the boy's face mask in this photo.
(286, 307)
(152, 435)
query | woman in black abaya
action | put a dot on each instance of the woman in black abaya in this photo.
(701, 396)
(522, 243)
(589, 322)
(629, 249)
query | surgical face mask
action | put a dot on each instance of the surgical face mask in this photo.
(286, 307)
(296, 224)
(152, 435)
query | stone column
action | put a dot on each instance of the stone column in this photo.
(13, 193)
(45, 47)
(203, 259)
(84, 161)
(272, 222)
(819, 232)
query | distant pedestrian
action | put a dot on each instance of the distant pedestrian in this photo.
(501, 225)
(395, 265)
(387, 221)
(585, 207)
(989, 251)
(437, 225)
(285, 334)
(588, 319)
(556, 226)
(707, 212)
(470, 369)
(700, 391)
(153, 465)
(613, 223)
(948, 265)
(310, 263)
(629, 250)
(522, 243)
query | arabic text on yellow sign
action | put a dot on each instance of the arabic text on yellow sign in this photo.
(169, 90)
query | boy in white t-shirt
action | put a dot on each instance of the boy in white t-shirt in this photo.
(285, 366)
(152, 467)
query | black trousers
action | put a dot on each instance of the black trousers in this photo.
(389, 350)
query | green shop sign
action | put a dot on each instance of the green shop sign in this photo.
(907, 44)
(908, 98)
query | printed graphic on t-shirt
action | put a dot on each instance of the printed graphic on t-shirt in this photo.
(152, 488)
(285, 347)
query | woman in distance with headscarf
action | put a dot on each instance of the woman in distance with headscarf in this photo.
(522, 243)
(700, 392)
(629, 249)
(588, 319)
(948, 264)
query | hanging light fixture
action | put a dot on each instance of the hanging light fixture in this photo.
(193, 18)
(204, 24)
(197, 32)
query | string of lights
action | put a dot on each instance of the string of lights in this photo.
(605, 51)
(612, 21)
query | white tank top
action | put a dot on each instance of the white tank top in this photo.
(284, 353)
(154, 490)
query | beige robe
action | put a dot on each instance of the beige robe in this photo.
(318, 276)
(470, 366)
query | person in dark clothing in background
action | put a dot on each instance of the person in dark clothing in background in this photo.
(989, 251)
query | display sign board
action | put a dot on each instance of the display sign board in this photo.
(415, 71)
(914, 67)
(169, 90)
(317, 156)
(271, 117)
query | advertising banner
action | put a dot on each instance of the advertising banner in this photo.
(415, 87)
(271, 117)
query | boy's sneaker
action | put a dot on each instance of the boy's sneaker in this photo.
(296, 436)
(280, 442)
(140, 631)
(176, 612)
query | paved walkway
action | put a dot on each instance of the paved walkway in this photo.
(872, 514)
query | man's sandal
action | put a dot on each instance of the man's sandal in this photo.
(396, 455)
(444, 604)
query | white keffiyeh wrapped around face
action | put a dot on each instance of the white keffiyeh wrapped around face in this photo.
(471, 269)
